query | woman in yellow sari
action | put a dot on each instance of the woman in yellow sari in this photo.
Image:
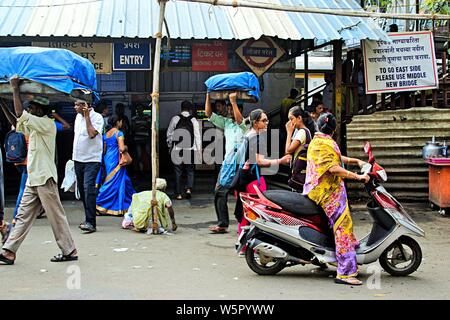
(324, 185)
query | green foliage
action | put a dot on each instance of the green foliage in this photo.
(382, 4)
(437, 6)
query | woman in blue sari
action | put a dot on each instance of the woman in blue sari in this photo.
(114, 197)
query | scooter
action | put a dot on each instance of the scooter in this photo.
(287, 229)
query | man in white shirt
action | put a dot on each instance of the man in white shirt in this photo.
(184, 142)
(87, 156)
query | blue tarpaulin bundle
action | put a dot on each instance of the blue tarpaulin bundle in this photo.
(59, 69)
(242, 81)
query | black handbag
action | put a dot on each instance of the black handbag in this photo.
(298, 169)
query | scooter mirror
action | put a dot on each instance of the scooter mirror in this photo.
(368, 151)
(367, 147)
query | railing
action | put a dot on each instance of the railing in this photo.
(299, 101)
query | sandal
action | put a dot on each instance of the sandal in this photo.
(63, 258)
(5, 261)
(188, 193)
(179, 197)
(217, 229)
(352, 281)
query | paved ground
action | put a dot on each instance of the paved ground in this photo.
(193, 264)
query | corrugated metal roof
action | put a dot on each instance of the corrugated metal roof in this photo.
(186, 20)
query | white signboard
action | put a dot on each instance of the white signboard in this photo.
(408, 63)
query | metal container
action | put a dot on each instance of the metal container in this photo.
(223, 95)
(445, 150)
(432, 149)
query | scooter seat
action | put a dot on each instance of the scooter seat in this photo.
(294, 202)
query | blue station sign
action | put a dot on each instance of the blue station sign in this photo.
(131, 56)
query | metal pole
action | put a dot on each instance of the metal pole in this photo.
(335, 12)
(417, 11)
(306, 79)
(337, 57)
(155, 113)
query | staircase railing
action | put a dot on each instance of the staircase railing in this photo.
(300, 100)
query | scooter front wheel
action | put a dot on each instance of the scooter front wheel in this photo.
(262, 265)
(401, 258)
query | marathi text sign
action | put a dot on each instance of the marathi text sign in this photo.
(98, 53)
(210, 56)
(407, 63)
(131, 56)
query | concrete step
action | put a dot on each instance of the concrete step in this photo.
(407, 179)
(413, 196)
(407, 135)
(352, 144)
(400, 161)
(386, 154)
(400, 131)
(394, 140)
(412, 113)
(395, 186)
(397, 146)
(406, 171)
(395, 126)
(401, 118)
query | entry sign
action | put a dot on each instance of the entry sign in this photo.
(131, 56)
(408, 63)
(260, 54)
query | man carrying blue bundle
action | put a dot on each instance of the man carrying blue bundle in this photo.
(41, 189)
(234, 130)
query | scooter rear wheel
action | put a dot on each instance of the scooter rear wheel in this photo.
(401, 258)
(259, 266)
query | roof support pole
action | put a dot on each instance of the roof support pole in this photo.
(155, 113)
(306, 78)
(337, 59)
